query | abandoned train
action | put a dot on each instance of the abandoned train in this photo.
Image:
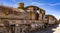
(21, 19)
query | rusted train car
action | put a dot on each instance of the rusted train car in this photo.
(50, 19)
(21, 19)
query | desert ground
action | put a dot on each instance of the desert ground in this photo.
(51, 29)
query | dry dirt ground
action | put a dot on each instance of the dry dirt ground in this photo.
(51, 29)
(57, 30)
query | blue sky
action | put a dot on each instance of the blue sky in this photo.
(50, 6)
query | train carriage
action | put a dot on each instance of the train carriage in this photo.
(23, 19)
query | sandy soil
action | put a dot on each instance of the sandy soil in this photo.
(57, 30)
(51, 29)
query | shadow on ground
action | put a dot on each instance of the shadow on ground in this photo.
(46, 30)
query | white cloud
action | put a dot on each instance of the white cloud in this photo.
(40, 4)
(37, 3)
(54, 4)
